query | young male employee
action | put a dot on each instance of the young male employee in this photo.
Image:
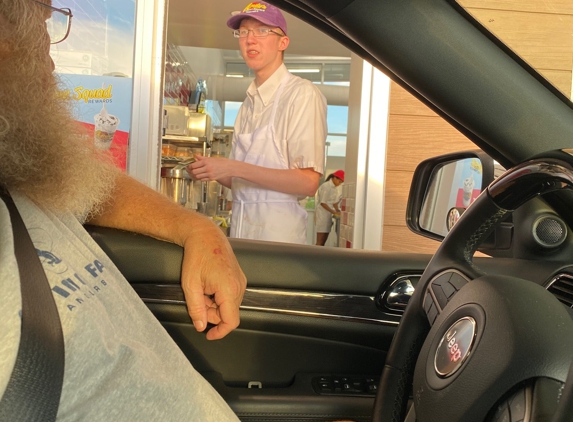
(279, 137)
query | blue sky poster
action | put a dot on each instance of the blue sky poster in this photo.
(95, 66)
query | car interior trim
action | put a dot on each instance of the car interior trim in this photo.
(533, 178)
(337, 306)
(562, 288)
(396, 296)
(312, 304)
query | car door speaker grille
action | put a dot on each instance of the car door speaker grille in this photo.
(562, 288)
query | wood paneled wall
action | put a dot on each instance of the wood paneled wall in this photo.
(541, 33)
(415, 133)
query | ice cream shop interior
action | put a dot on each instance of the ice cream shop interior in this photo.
(158, 82)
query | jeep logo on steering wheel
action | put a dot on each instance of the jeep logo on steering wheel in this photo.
(455, 346)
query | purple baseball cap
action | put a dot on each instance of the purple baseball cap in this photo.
(263, 12)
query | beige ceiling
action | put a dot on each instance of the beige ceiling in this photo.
(202, 23)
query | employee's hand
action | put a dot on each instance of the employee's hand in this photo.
(212, 281)
(206, 169)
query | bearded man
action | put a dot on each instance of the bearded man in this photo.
(120, 364)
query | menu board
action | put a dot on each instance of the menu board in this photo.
(95, 67)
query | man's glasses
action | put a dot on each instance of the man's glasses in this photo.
(58, 24)
(257, 32)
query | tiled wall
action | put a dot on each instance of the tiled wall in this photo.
(347, 215)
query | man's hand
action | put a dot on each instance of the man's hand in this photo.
(213, 282)
(211, 168)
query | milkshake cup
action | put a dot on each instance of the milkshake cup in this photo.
(105, 127)
(469, 184)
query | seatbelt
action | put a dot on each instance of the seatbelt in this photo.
(35, 386)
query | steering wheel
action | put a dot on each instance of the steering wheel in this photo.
(482, 347)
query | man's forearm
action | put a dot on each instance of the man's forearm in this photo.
(211, 278)
(138, 208)
(225, 181)
(303, 182)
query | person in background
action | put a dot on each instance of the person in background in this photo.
(328, 197)
(277, 154)
(120, 363)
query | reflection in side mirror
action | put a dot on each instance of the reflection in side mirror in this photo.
(452, 187)
(453, 216)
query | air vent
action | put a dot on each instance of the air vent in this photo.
(562, 289)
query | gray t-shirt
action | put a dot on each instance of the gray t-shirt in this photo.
(121, 365)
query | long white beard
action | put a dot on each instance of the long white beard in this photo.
(43, 153)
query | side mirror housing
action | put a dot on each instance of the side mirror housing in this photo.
(443, 187)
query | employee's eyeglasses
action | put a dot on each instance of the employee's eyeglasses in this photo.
(257, 32)
(58, 24)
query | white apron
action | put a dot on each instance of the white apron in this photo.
(259, 213)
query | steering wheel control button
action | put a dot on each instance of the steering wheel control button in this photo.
(502, 414)
(428, 302)
(430, 308)
(446, 286)
(458, 281)
(517, 406)
(432, 314)
(440, 295)
(448, 289)
(513, 409)
(455, 347)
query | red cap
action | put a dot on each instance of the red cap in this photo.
(339, 174)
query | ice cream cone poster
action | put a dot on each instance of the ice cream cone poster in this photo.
(95, 67)
(102, 105)
(469, 181)
(105, 126)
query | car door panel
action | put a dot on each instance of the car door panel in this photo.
(308, 312)
(283, 353)
(322, 320)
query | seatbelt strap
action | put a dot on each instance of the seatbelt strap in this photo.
(35, 386)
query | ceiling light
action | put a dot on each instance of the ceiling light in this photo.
(235, 76)
(304, 70)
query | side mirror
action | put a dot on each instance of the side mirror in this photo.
(443, 187)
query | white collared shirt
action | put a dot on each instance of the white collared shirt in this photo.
(300, 121)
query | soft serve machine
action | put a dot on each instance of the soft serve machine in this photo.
(188, 133)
